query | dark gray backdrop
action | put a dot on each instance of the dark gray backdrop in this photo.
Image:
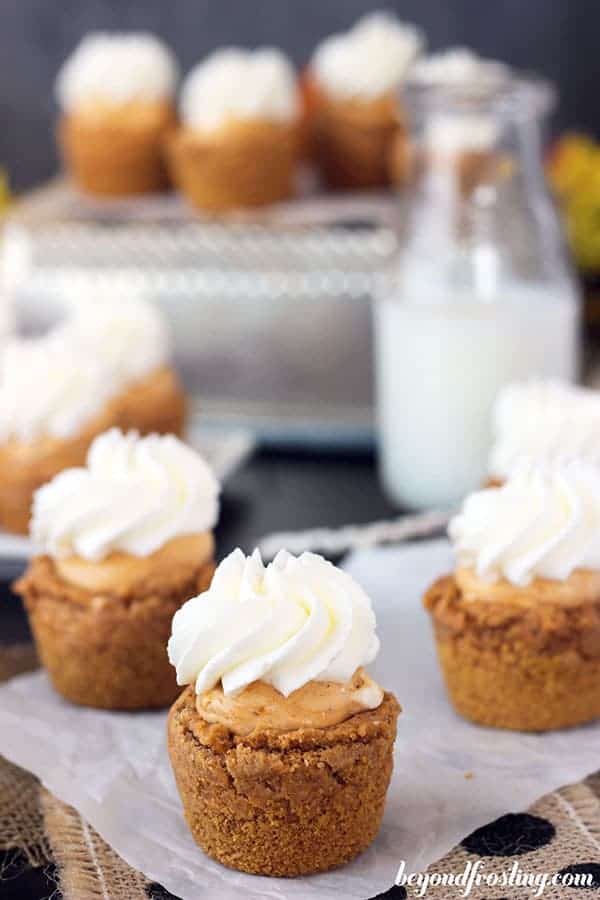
(559, 38)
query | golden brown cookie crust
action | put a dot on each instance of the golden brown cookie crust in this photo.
(526, 667)
(108, 651)
(353, 139)
(117, 155)
(155, 402)
(283, 804)
(24, 467)
(248, 164)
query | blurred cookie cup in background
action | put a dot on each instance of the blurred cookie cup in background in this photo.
(517, 625)
(460, 135)
(116, 97)
(124, 542)
(239, 138)
(282, 744)
(54, 400)
(543, 420)
(132, 342)
(351, 88)
(106, 364)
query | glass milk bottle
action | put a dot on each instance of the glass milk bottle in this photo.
(481, 293)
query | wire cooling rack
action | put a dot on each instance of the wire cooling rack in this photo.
(317, 247)
(270, 312)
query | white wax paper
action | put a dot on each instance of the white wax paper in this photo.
(113, 767)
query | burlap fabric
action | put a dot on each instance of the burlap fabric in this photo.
(560, 832)
(46, 833)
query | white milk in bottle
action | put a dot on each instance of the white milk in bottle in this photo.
(481, 293)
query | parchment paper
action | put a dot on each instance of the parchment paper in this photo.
(450, 777)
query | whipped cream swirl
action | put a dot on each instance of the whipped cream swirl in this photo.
(116, 68)
(544, 522)
(544, 420)
(370, 60)
(234, 84)
(134, 494)
(458, 67)
(299, 619)
(129, 338)
(49, 387)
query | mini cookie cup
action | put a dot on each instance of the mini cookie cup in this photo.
(154, 403)
(245, 164)
(283, 804)
(518, 666)
(352, 140)
(119, 154)
(108, 649)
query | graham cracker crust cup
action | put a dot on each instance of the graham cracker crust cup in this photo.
(245, 164)
(117, 154)
(353, 140)
(108, 651)
(155, 403)
(519, 667)
(283, 804)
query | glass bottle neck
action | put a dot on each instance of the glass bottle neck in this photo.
(477, 210)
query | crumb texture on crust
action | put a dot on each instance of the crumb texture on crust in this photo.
(283, 804)
(517, 667)
(544, 628)
(107, 651)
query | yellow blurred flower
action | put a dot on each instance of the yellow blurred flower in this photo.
(574, 173)
(582, 216)
(573, 159)
(4, 191)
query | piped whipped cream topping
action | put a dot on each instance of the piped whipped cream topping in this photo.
(116, 69)
(544, 420)
(544, 522)
(130, 338)
(458, 67)
(133, 495)
(299, 619)
(49, 387)
(370, 60)
(52, 385)
(234, 84)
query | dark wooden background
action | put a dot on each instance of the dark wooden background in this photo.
(558, 38)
